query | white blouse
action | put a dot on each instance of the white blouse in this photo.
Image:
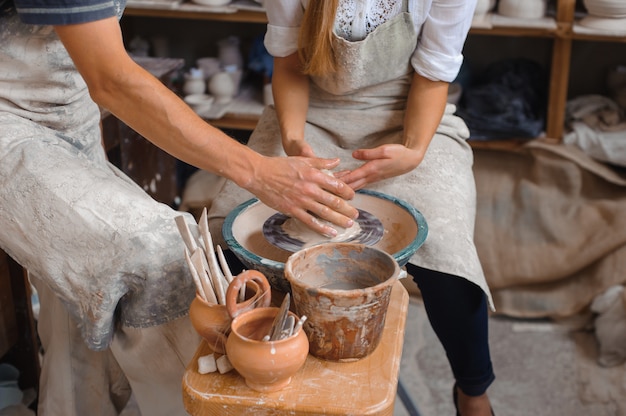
(442, 24)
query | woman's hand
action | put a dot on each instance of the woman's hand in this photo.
(298, 148)
(425, 106)
(382, 162)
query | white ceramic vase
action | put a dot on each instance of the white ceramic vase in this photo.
(222, 87)
(209, 65)
(229, 53)
(194, 82)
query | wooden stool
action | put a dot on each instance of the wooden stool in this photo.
(363, 387)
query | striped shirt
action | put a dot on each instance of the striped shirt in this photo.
(65, 12)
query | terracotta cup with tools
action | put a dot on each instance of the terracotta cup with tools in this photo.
(265, 364)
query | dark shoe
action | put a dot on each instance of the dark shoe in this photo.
(455, 399)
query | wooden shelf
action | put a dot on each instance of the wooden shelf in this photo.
(509, 144)
(236, 122)
(595, 37)
(185, 11)
(598, 38)
(515, 32)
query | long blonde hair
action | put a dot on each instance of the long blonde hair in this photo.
(315, 42)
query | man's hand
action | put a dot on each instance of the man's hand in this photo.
(297, 187)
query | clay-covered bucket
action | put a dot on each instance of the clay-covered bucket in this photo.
(344, 291)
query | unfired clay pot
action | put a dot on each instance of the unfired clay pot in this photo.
(212, 321)
(222, 87)
(194, 82)
(266, 366)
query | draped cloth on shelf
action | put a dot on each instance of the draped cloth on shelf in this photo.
(550, 228)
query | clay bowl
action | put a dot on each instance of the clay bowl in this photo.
(613, 9)
(607, 24)
(266, 366)
(405, 230)
(212, 321)
(522, 9)
(344, 290)
(212, 2)
(199, 102)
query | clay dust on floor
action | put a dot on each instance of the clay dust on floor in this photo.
(542, 368)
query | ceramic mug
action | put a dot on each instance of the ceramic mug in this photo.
(212, 321)
(222, 87)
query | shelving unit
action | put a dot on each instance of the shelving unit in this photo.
(240, 16)
(561, 35)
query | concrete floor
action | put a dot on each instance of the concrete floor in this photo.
(542, 368)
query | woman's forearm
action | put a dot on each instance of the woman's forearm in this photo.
(425, 107)
(291, 99)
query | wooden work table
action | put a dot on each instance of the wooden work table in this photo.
(364, 387)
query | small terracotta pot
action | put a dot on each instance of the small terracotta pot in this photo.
(212, 321)
(265, 365)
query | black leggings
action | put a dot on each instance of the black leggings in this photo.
(457, 311)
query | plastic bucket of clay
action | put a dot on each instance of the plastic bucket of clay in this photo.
(344, 291)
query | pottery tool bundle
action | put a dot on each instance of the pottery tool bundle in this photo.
(210, 271)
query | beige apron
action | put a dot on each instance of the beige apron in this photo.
(103, 245)
(106, 259)
(362, 106)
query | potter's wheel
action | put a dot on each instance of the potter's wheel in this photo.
(370, 231)
(403, 231)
